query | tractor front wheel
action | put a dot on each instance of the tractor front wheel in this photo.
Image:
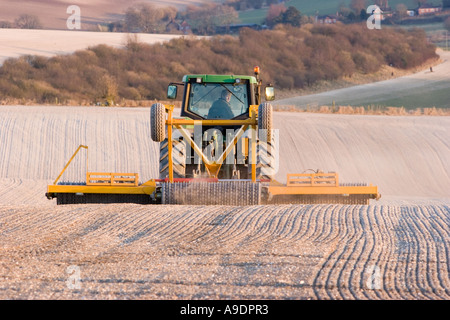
(158, 122)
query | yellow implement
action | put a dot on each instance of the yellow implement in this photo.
(320, 188)
(102, 187)
(222, 151)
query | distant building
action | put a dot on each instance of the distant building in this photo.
(425, 9)
(328, 19)
(185, 27)
(181, 27)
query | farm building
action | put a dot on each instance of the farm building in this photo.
(425, 9)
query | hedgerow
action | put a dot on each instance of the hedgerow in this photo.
(289, 57)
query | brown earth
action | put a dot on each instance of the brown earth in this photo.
(53, 13)
(18, 42)
(197, 252)
(396, 248)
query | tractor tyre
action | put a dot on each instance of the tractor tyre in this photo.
(265, 121)
(266, 157)
(266, 149)
(158, 122)
(178, 159)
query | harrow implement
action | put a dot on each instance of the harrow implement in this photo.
(224, 152)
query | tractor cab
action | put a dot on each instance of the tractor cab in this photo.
(212, 97)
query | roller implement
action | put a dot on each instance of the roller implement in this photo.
(222, 150)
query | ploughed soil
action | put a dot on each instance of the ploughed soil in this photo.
(395, 248)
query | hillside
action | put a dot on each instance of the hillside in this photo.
(53, 15)
(396, 248)
(15, 43)
(424, 89)
(290, 58)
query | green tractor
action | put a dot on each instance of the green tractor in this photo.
(213, 137)
(222, 150)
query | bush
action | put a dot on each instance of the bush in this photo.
(289, 58)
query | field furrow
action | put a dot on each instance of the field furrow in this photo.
(397, 248)
(217, 252)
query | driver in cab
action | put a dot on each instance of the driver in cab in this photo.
(221, 108)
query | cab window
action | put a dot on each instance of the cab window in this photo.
(218, 100)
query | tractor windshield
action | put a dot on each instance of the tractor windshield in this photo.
(218, 100)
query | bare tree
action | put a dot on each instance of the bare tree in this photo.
(382, 3)
(5, 24)
(147, 18)
(206, 18)
(447, 23)
(401, 10)
(27, 21)
(358, 5)
(275, 10)
(419, 2)
(225, 15)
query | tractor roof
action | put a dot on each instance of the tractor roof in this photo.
(218, 78)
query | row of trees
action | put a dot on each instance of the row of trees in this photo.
(24, 21)
(204, 19)
(278, 13)
(290, 57)
(356, 10)
(148, 18)
(250, 4)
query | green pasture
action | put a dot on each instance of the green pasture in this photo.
(439, 98)
(320, 7)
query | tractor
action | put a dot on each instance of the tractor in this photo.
(221, 149)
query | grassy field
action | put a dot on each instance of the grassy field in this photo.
(311, 8)
(423, 89)
(436, 33)
(427, 99)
